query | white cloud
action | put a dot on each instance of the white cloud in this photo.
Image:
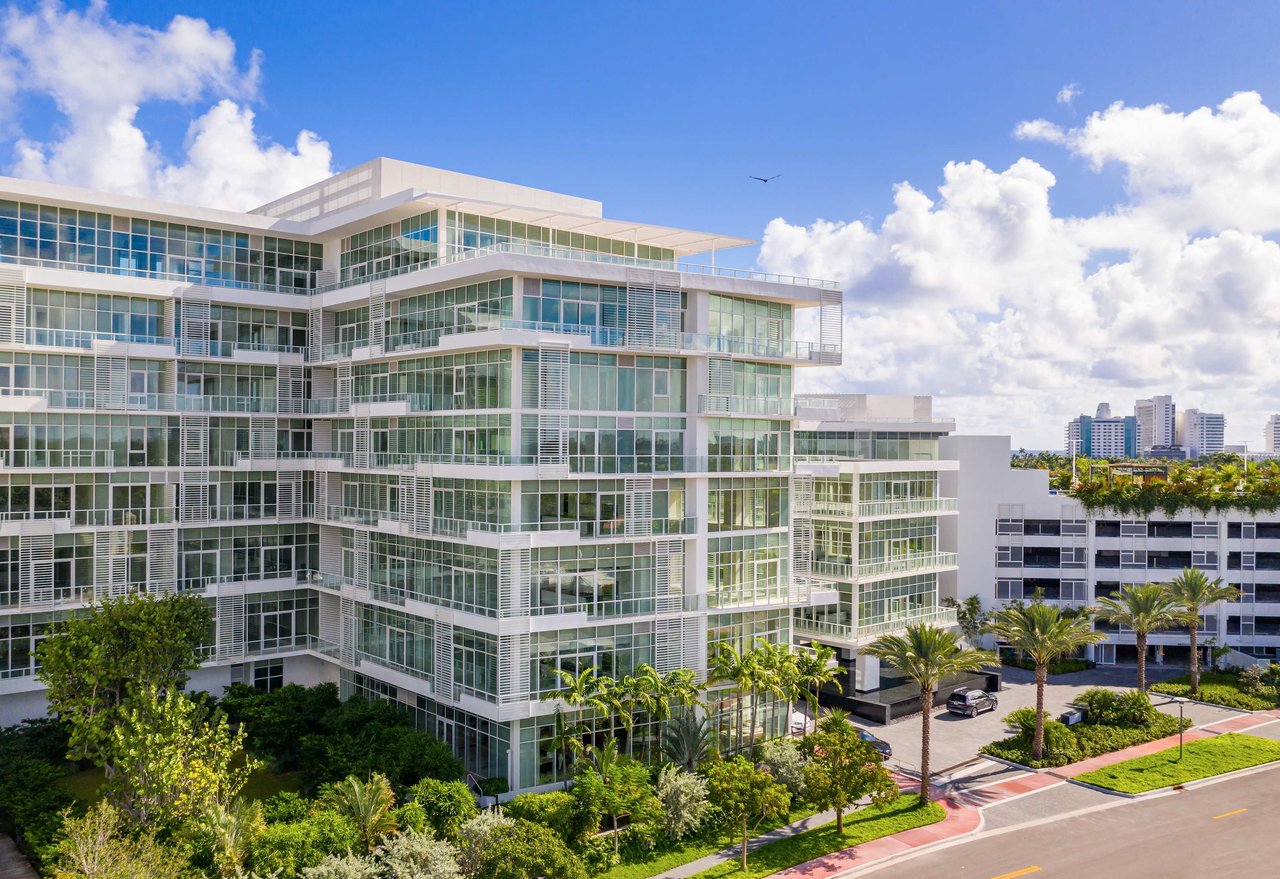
(1021, 318)
(1068, 93)
(99, 72)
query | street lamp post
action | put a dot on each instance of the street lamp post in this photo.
(1181, 726)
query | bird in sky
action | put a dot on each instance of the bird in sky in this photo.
(764, 179)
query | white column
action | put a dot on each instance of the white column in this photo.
(867, 670)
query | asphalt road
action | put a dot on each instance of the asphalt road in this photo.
(1225, 829)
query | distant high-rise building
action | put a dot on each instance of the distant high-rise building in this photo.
(1201, 433)
(1272, 438)
(1102, 436)
(1157, 422)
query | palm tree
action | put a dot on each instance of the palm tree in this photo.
(582, 691)
(926, 655)
(814, 670)
(775, 663)
(739, 669)
(783, 663)
(1042, 633)
(233, 831)
(1194, 591)
(367, 804)
(566, 742)
(682, 688)
(688, 740)
(1145, 608)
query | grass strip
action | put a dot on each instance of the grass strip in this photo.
(902, 814)
(1202, 758)
(692, 849)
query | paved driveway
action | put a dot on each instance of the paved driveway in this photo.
(957, 739)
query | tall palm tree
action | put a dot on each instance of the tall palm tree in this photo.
(814, 670)
(682, 688)
(1145, 608)
(1042, 633)
(777, 676)
(367, 804)
(926, 655)
(1194, 591)
(582, 691)
(566, 742)
(740, 669)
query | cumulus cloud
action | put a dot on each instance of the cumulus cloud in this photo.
(1068, 93)
(1021, 318)
(100, 72)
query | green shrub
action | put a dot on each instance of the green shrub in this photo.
(556, 810)
(1057, 667)
(1108, 708)
(1069, 744)
(290, 848)
(1221, 688)
(285, 807)
(448, 804)
(1023, 720)
(526, 850)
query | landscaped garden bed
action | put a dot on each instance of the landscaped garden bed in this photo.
(1113, 721)
(1201, 758)
(904, 813)
(1224, 688)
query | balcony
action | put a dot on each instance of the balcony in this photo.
(726, 404)
(944, 617)
(901, 564)
(546, 250)
(896, 506)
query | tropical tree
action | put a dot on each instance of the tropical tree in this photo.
(740, 669)
(584, 690)
(746, 796)
(368, 805)
(1042, 633)
(613, 786)
(1145, 608)
(232, 830)
(1194, 591)
(94, 665)
(816, 669)
(926, 655)
(688, 740)
(100, 846)
(682, 689)
(446, 805)
(566, 743)
(843, 769)
(175, 760)
(783, 675)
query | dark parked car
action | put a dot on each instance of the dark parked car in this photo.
(970, 702)
(883, 748)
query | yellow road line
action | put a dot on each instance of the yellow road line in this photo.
(1025, 871)
(1223, 815)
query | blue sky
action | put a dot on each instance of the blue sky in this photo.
(661, 110)
(1104, 254)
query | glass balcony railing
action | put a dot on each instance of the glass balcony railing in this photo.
(944, 617)
(727, 404)
(899, 564)
(883, 507)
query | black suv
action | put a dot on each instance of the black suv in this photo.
(970, 702)
(882, 747)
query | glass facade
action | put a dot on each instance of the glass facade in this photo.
(446, 520)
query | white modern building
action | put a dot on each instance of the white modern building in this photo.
(1271, 436)
(1157, 423)
(1201, 433)
(426, 434)
(1017, 538)
(869, 514)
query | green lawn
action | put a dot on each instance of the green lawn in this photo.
(692, 849)
(1203, 758)
(903, 813)
(84, 785)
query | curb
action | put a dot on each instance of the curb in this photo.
(1174, 700)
